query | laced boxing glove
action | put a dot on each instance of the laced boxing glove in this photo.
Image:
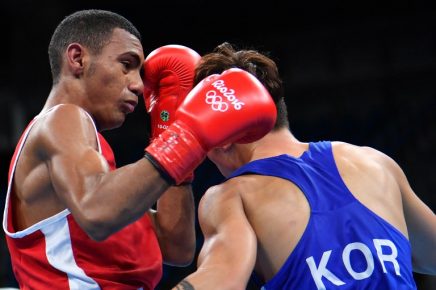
(168, 78)
(228, 108)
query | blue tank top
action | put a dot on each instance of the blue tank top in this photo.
(345, 245)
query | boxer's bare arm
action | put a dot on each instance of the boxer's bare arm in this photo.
(100, 200)
(174, 222)
(421, 225)
(228, 255)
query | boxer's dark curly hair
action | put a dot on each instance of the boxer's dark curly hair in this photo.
(92, 28)
(225, 56)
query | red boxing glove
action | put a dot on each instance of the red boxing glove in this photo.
(168, 77)
(233, 107)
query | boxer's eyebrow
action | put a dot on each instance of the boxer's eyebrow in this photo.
(133, 57)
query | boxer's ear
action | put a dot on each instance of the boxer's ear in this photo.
(74, 60)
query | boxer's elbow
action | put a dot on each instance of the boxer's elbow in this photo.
(95, 225)
(179, 254)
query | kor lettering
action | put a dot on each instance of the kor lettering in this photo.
(386, 252)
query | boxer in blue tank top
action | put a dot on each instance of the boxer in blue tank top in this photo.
(306, 216)
(344, 243)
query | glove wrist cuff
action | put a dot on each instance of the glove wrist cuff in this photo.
(177, 152)
(159, 168)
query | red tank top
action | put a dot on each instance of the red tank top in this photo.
(56, 253)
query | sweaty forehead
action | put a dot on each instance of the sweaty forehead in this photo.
(123, 41)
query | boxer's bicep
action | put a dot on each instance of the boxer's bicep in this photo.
(69, 146)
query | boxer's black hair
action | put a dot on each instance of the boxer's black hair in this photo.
(225, 56)
(92, 28)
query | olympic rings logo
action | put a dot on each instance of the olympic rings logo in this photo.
(216, 102)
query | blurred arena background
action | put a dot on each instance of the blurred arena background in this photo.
(357, 71)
